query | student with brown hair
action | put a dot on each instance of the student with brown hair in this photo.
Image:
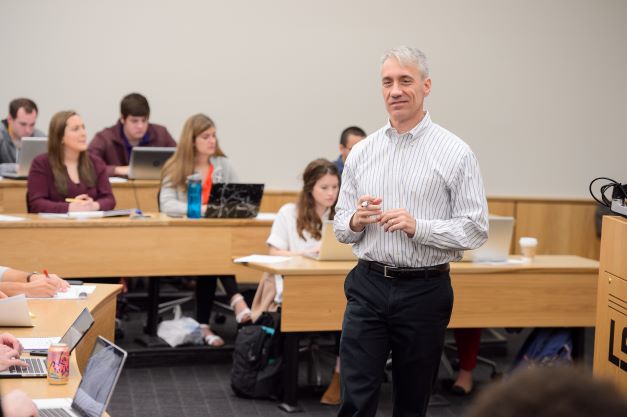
(20, 123)
(114, 144)
(68, 171)
(297, 230)
(198, 151)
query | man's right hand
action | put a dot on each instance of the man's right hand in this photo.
(121, 171)
(42, 288)
(366, 215)
(9, 357)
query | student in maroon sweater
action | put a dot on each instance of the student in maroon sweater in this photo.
(68, 171)
(114, 144)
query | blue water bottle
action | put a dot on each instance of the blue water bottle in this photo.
(194, 196)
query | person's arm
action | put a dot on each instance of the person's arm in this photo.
(105, 198)
(169, 202)
(468, 226)
(346, 206)
(40, 179)
(15, 282)
(98, 147)
(17, 404)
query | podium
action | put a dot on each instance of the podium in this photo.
(610, 344)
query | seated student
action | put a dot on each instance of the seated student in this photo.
(297, 230)
(32, 284)
(19, 124)
(467, 341)
(198, 151)
(550, 392)
(114, 144)
(349, 137)
(68, 171)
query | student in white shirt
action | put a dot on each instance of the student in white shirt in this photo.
(32, 284)
(297, 230)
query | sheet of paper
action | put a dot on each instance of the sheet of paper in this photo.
(73, 215)
(38, 343)
(507, 262)
(4, 218)
(75, 292)
(266, 216)
(117, 180)
(262, 259)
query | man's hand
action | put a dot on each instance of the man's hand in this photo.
(121, 171)
(61, 284)
(368, 212)
(398, 219)
(7, 339)
(17, 404)
(9, 357)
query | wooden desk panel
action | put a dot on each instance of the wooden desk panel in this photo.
(53, 318)
(551, 291)
(116, 247)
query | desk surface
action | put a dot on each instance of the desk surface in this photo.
(53, 318)
(550, 291)
(125, 247)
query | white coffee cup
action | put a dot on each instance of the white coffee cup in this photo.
(528, 247)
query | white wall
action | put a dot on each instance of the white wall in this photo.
(537, 88)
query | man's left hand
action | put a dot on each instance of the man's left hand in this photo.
(398, 219)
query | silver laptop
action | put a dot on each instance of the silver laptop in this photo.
(496, 248)
(330, 248)
(29, 149)
(146, 162)
(37, 366)
(96, 388)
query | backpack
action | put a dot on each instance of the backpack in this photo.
(546, 347)
(257, 363)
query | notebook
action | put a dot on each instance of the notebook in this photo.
(234, 201)
(330, 248)
(37, 366)
(29, 149)
(96, 388)
(496, 248)
(14, 312)
(146, 162)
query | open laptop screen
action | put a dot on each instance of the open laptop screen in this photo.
(233, 200)
(77, 330)
(101, 375)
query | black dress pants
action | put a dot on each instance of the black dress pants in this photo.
(206, 291)
(405, 315)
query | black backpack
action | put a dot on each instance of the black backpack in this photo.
(257, 363)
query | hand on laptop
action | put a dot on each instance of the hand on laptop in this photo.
(17, 404)
(7, 339)
(61, 284)
(121, 171)
(9, 357)
(315, 250)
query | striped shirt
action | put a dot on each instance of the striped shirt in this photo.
(432, 174)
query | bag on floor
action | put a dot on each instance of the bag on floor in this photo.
(257, 362)
(180, 331)
(546, 347)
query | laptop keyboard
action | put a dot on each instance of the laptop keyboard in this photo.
(34, 367)
(54, 412)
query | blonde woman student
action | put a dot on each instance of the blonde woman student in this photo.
(297, 230)
(198, 151)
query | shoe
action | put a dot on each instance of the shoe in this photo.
(332, 396)
(245, 314)
(450, 385)
(210, 338)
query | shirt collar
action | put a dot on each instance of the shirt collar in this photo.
(415, 133)
(127, 145)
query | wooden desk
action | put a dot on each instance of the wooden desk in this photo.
(120, 246)
(53, 318)
(550, 291)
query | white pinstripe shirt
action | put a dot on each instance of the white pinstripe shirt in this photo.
(432, 174)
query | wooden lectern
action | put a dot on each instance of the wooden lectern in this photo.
(610, 344)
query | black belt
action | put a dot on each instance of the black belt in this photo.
(404, 272)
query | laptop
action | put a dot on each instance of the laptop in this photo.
(234, 201)
(29, 149)
(14, 312)
(37, 367)
(96, 388)
(146, 162)
(496, 248)
(330, 248)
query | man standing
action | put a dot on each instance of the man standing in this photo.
(19, 124)
(114, 144)
(411, 201)
(349, 137)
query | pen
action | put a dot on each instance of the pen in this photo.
(72, 200)
(365, 204)
(46, 273)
